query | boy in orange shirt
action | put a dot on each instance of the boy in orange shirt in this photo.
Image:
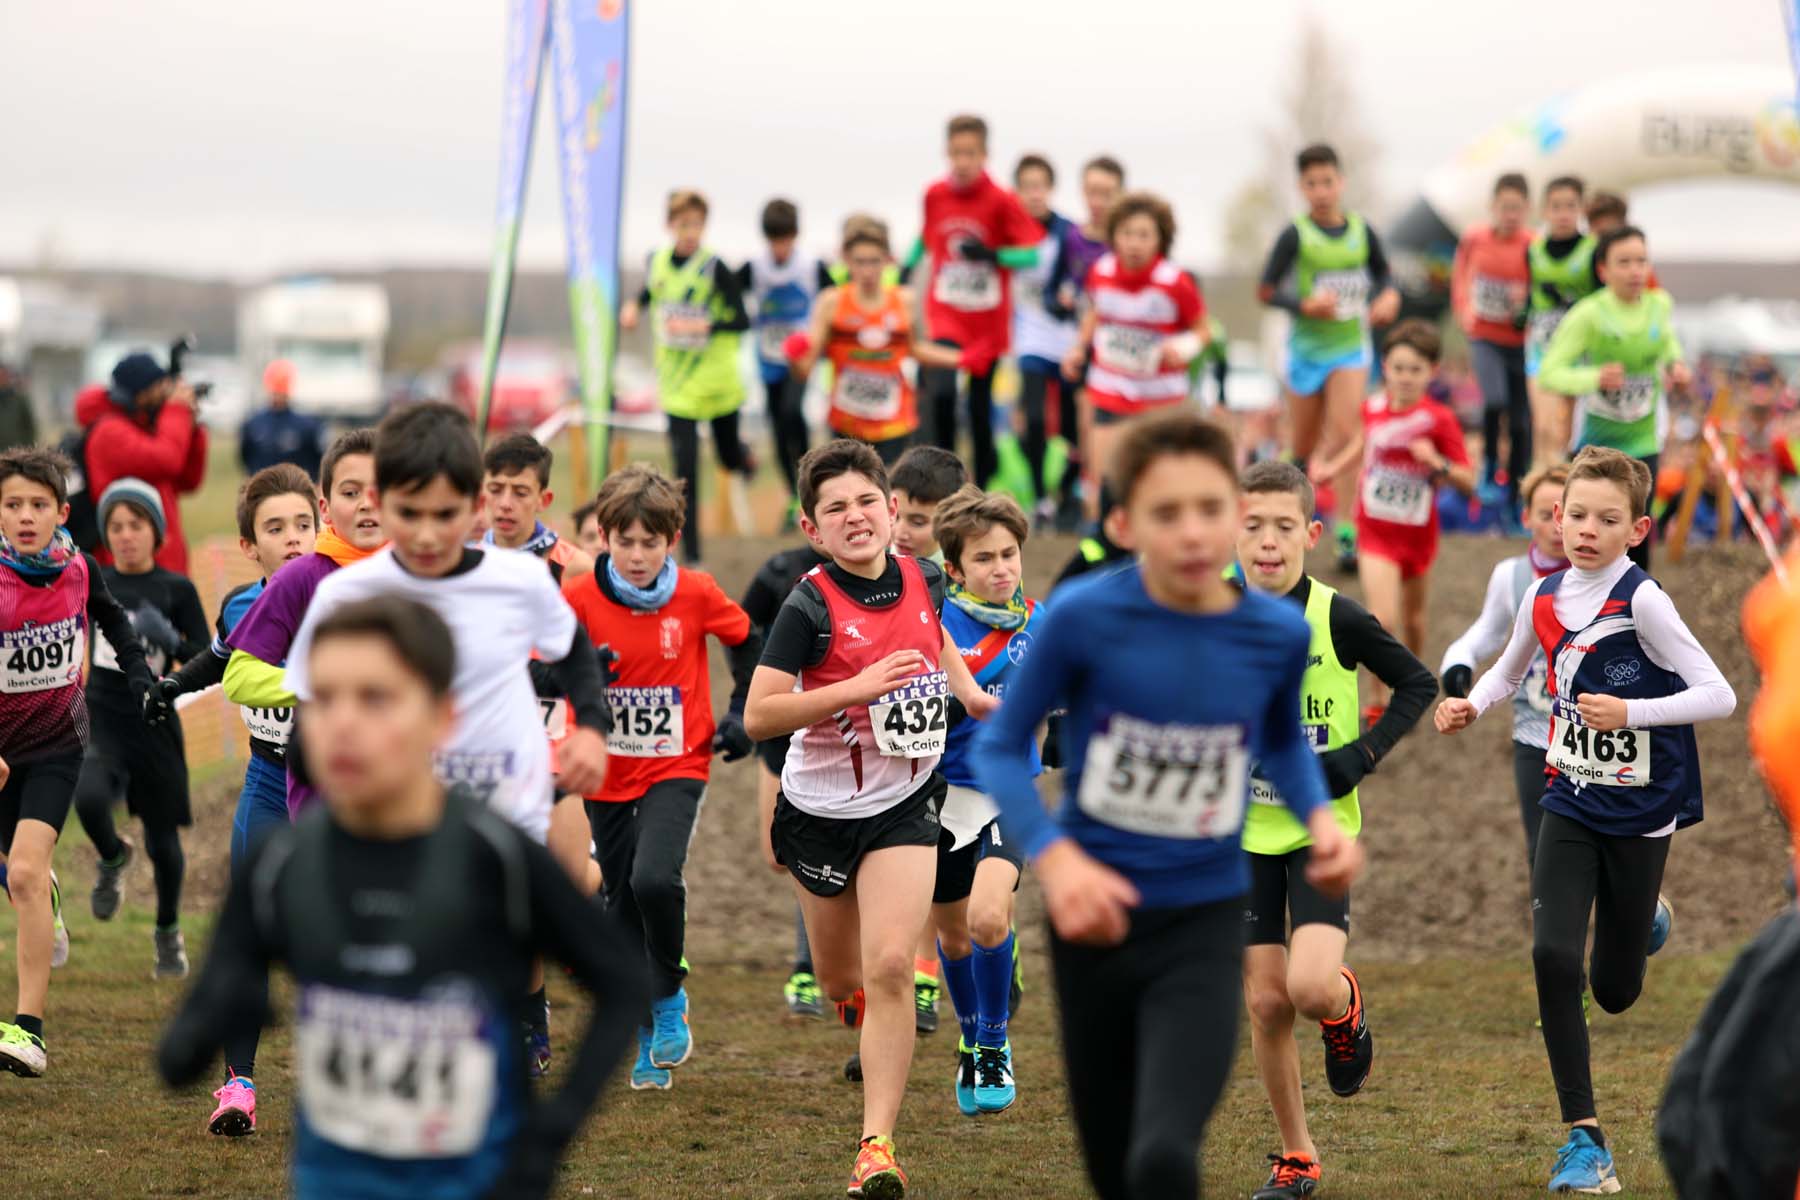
(656, 616)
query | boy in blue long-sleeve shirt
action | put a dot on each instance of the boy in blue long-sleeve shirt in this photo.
(1173, 683)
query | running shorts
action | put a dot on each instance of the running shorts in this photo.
(1278, 889)
(824, 852)
(956, 868)
(1307, 376)
(40, 790)
(1414, 550)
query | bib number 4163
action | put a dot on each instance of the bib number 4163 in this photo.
(1616, 757)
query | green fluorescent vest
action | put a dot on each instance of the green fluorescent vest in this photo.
(700, 382)
(1341, 264)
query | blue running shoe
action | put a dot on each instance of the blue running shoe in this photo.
(965, 1079)
(646, 1075)
(1662, 924)
(1584, 1167)
(672, 1042)
(994, 1090)
(537, 1052)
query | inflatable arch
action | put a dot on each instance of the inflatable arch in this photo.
(1688, 123)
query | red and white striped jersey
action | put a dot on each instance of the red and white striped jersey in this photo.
(1135, 313)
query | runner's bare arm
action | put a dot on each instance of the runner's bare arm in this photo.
(775, 709)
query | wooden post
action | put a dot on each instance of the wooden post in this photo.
(578, 457)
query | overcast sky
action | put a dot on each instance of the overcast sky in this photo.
(246, 136)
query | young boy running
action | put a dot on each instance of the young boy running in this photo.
(49, 593)
(1562, 265)
(977, 233)
(410, 919)
(1489, 289)
(988, 614)
(1329, 271)
(1617, 348)
(515, 487)
(126, 757)
(699, 319)
(277, 516)
(1409, 444)
(1303, 973)
(1142, 866)
(1505, 593)
(779, 286)
(1043, 327)
(864, 328)
(587, 530)
(1102, 183)
(656, 617)
(1627, 681)
(860, 671)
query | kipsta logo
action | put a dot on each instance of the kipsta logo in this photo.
(1623, 671)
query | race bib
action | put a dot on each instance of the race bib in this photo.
(771, 340)
(912, 721)
(647, 722)
(1351, 289)
(1632, 402)
(1496, 301)
(1535, 688)
(1129, 349)
(1172, 781)
(556, 717)
(684, 326)
(1542, 326)
(41, 658)
(1262, 791)
(968, 286)
(1618, 758)
(272, 725)
(1028, 291)
(868, 394)
(395, 1078)
(484, 778)
(1397, 496)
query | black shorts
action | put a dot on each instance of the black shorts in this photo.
(142, 765)
(40, 790)
(1278, 888)
(824, 852)
(956, 868)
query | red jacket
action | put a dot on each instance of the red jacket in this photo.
(166, 450)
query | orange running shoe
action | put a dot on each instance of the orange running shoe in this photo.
(1293, 1178)
(876, 1176)
(850, 1011)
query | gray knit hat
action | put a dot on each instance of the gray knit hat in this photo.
(141, 496)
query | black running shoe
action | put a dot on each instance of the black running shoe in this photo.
(1349, 1050)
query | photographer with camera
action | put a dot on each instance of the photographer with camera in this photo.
(144, 426)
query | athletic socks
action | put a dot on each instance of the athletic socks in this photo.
(802, 948)
(959, 981)
(537, 1011)
(1592, 1131)
(993, 988)
(32, 1025)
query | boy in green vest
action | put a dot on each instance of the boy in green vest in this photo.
(1617, 348)
(697, 321)
(1562, 272)
(1305, 974)
(1329, 272)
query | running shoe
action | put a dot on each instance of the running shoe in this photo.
(537, 1052)
(236, 1114)
(850, 1012)
(171, 955)
(853, 1068)
(876, 1176)
(804, 999)
(926, 990)
(672, 1042)
(1015, 995)
(1661, 925)
(1292, 1177)
(59, 944)
(1349, 1049)
(646, 1075)
(965, 1079)
(1346, 549)
(20, 1052)
(108, 881)
(994, 1087)
(1583, 1166)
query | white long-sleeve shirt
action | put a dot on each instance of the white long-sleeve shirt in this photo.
(1664, 635)
(1490, 632)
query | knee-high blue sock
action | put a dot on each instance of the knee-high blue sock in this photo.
(993, 985)
(959, 979)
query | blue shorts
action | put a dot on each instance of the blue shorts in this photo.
(261, 807)
(1037, 364)
(1306, 376)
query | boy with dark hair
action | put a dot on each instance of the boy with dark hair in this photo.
(587, 529)
(977, 233)
(699, 318)
(1142, 865)
(924, 478)
(1627, 681)
(146, 765)
(858, 669)
(1043, 326)
(1304, 973)
(516, 488)
(50, 591)
(460, 904)
(656, 617)
(1562, 269)
(779, 286)
(1328, 270)
(1490, 287)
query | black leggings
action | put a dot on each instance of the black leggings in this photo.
(684, 444)
(1529, 779)
(643, 849)
(1617, 878)
(787, 425)
(1036, 393)
(94, 800)
(939, 386)
(1149, 1028)
(1500, 371)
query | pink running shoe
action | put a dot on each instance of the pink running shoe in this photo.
(236, 1114)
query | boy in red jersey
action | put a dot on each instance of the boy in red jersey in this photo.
(656, 617)
(1490, 285)
(975, 231)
